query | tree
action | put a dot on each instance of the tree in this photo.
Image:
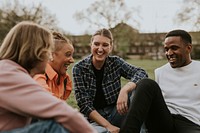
(108, 14)
(190, 13)
(13, 12)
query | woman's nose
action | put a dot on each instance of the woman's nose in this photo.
(100, 48)
(72, 60)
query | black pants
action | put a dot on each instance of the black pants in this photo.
(148, 106)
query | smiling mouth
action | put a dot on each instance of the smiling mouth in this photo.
(66, 66)
(172, 60)
(100, 53)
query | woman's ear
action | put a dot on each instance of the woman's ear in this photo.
(51, 56)
(111, 48)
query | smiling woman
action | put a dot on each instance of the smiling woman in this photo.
(21, 98)
(55, 79)
(97, 84)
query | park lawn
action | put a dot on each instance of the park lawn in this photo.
(148, 65)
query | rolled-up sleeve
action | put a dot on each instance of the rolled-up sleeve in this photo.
(132, 72)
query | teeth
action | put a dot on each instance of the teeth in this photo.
(66, 65)
(172, 59)
(100, 53)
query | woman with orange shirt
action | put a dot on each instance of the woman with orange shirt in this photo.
(24, 53)
(56, 80)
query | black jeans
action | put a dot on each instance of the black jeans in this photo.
(148, 106)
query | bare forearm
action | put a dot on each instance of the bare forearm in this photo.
(128, 87)
(95, 116)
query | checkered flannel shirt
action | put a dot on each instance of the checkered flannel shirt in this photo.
(85, 81)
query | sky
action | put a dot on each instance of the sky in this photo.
(156, 15)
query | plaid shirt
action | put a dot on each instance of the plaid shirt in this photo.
(85, 80)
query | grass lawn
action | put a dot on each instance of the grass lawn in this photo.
(148, 65)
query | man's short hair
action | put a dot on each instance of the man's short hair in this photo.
(185, 36)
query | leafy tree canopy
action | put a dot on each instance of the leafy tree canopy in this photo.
(13, 12)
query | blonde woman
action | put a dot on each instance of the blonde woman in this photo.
(98, 86)
(55, 79)
(24, 53)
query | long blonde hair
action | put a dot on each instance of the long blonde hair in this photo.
(27, 44)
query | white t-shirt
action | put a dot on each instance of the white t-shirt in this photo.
(181, 89)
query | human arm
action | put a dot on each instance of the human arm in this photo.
(85, 88)
(83, 92)
(122, 101)
(26, 98)
(134, 74)
(95, 116)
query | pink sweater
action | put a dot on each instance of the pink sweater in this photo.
(21, 98)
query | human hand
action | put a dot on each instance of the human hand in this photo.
(113, 129)
(122, 102)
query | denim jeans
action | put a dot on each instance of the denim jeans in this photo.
(45, 126)
(99, 128)
(110, 113)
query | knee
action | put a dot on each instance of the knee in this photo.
(148, 84)
(146, 81)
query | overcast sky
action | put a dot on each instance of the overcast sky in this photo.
(157, 15)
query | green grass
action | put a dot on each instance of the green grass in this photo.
(148, 65)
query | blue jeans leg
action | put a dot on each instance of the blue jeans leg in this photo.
(99, 128)
(46, 126)
(111, 114)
